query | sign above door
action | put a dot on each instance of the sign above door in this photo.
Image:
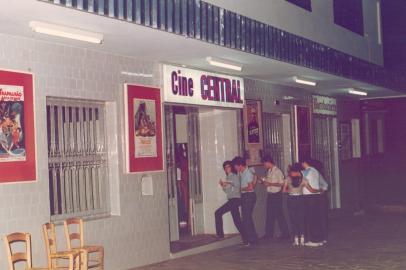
(324, 105)
(195, 87)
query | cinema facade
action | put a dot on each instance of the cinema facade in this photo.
(131, 134)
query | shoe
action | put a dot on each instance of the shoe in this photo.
(246, 244)
(296, 241)
(314, 244)
(218, 237)
(302, 240)
(324, 242)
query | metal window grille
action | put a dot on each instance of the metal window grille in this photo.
(77, 158)
(273, 137)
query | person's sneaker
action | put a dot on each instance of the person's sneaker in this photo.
(218, 237)
(246, 244)
(302, 240)
(296, 241)
(313, 244)
(324, 242)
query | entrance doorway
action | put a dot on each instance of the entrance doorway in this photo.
(325, 150)
(198, 141)
(183, 171)
(278, 138)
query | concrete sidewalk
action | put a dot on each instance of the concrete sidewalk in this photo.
(375, 241)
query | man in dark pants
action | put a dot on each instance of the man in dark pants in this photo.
(248, 199)
(274, 182)
(232, 187)
(312, 200)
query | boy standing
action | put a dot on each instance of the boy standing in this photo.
(274, 182)
(248, 199)
(231, 186)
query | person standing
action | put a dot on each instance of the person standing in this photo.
(294, 186)
(324, 199)
(248, 199)
(231, 186)
(313, 204)
(274, 182)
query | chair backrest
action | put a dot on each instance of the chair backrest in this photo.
(14, 257)
(50, 240)
(74, 232)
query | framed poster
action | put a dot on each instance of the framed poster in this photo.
(345, 141)
(17, 129)
(143, 129)
(253, 131)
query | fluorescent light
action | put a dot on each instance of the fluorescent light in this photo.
(305, 82)
(66, 32)
(357, 92)
(145, 75)
(223, 64)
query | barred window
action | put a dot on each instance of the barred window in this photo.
(77, 158)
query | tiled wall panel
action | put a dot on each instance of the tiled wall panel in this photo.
(139, 235)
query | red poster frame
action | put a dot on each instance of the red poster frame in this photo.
(145, 164)
(22, 171)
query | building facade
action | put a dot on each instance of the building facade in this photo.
(80, 107)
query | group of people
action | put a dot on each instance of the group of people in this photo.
(307, 201)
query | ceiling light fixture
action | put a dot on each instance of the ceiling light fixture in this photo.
(145, 75)
(357, 92)
(303, 81)
(66, 32)
(223, 64)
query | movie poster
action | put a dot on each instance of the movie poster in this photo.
(12, 142)
(253, 131)
(145, 128)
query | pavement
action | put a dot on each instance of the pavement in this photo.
(373, 241)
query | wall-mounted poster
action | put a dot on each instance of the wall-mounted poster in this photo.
(17, 134)
(253, 131)
(145, 144)
(144, 129)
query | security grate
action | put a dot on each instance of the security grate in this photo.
(77, 158)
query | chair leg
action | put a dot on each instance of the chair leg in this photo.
(84, 258)
(71, 262)
(101, 258)
(77, 262)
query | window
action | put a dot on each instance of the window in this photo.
(77, 158)
(306, 4)
(349, 14)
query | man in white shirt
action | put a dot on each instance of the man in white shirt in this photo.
(274, 182)
(313, 207)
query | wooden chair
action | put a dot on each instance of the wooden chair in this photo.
(75, 241)
(53, 255)
(24, 256)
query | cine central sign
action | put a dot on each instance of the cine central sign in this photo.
(194, 87)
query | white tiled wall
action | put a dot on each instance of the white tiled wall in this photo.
(218, 126)
(139, 234)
